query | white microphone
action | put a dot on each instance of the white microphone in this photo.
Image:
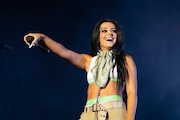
(40, 44)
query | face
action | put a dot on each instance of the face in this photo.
(107, 36)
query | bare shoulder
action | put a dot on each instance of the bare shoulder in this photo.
(129, 59)
(87, 57)
(130, 62)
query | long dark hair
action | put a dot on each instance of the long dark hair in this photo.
(117, 49)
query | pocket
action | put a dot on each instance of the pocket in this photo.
(87, 116)
(117, 114)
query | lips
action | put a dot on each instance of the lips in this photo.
(109, 39)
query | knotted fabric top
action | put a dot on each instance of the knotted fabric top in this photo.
(103, 65)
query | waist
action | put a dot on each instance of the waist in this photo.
(104, 99)
(110, 89)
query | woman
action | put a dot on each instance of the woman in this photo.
(110, 72)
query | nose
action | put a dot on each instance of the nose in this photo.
(110, 32)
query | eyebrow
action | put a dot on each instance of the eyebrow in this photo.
(106, 28)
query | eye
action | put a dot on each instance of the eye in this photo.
(114, 31)
(104, 31)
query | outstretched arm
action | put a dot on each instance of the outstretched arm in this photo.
(131, 88)
(79, 60)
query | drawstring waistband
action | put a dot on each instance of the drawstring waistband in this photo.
(104, 99)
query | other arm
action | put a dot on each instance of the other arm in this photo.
(131, 88)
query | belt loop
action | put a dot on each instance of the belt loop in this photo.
(102, 113)
(86, 109)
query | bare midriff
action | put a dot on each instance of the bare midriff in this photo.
(110, 89)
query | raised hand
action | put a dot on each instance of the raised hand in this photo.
(32, 39)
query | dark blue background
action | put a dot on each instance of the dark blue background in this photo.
(35, 85)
